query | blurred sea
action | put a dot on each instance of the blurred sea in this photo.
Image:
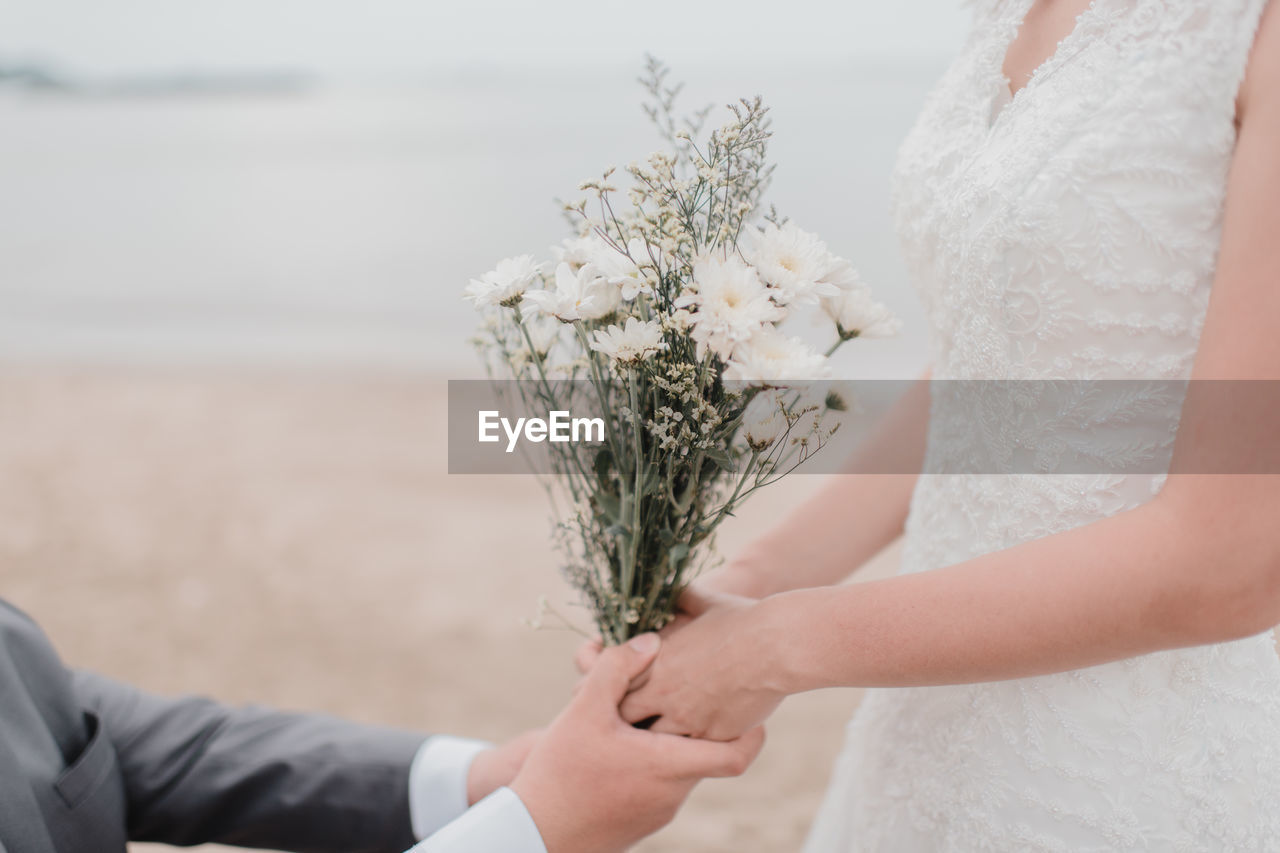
(336, 226)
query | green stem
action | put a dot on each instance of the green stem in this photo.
(637, 495)
(598, 382)
(728, 505)
(546, 386)
(840, 341)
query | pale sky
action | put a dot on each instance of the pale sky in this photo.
(355, 38)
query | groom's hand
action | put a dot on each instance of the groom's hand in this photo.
(496, 768)
(594, 784)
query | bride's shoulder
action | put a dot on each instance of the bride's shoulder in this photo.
(1261, 86)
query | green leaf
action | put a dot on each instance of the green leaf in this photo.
(677, 555)
(608, 504)
(721, 458)
(603, 464)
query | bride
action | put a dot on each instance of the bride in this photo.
(1066, 662)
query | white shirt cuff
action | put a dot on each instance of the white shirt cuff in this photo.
(497, 824)
(438, 782)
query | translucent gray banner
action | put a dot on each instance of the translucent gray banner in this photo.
(974, 426)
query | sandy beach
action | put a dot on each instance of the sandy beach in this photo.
(294, 539)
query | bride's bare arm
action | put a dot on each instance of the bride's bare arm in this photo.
(1198, 564)
(855, 514)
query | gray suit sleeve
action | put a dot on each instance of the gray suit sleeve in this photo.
(197, 772)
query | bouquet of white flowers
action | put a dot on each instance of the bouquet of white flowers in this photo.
(667, 310)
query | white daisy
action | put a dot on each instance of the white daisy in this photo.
(577, 252)
(628, 271)
(771, 357)
(856, 314)
(793, 262)
(632, 343)
(581, 295)
(842, 275)
(625, 269)
(544, 332)
(730, 304)
(504, 285)
(765, 422)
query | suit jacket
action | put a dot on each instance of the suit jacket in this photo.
(87, 763)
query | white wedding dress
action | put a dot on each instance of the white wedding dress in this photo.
(1070, 231)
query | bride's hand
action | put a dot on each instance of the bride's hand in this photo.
(742, 577)
(733, 581)
(711, 679)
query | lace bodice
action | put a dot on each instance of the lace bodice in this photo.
(1072, 230)
(1068, 232)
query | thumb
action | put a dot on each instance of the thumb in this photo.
(611, 677)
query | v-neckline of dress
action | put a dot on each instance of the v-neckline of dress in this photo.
(1005, 99)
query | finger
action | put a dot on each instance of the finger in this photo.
(587, 655)
(636, 707)
(699, 759)
(610, 679)
(641, 680)
(671, 725)
(695, 601)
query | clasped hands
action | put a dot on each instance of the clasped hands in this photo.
(593, 783)
(713, 678)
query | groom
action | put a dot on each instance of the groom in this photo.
(88, 764)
